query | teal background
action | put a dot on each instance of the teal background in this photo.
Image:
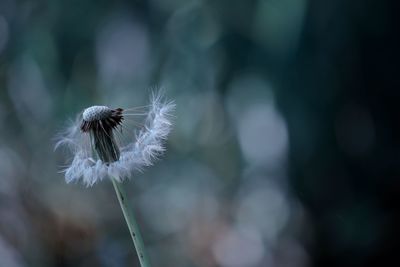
(285, 146)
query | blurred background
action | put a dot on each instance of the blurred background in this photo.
(284, 151)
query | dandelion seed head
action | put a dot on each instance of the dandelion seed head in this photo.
(96, 152)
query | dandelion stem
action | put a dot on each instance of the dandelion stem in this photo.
(132, 224)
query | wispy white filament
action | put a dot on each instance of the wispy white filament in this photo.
(145, 147)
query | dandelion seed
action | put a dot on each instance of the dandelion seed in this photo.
(96, 152)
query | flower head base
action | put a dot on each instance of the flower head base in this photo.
(97, 152)
(95, 113)
(100, 121)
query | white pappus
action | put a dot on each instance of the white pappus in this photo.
(97, 154)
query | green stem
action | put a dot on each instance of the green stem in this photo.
(132, 224)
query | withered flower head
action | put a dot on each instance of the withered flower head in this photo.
(99, 122)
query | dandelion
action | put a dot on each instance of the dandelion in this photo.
(98, 153)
